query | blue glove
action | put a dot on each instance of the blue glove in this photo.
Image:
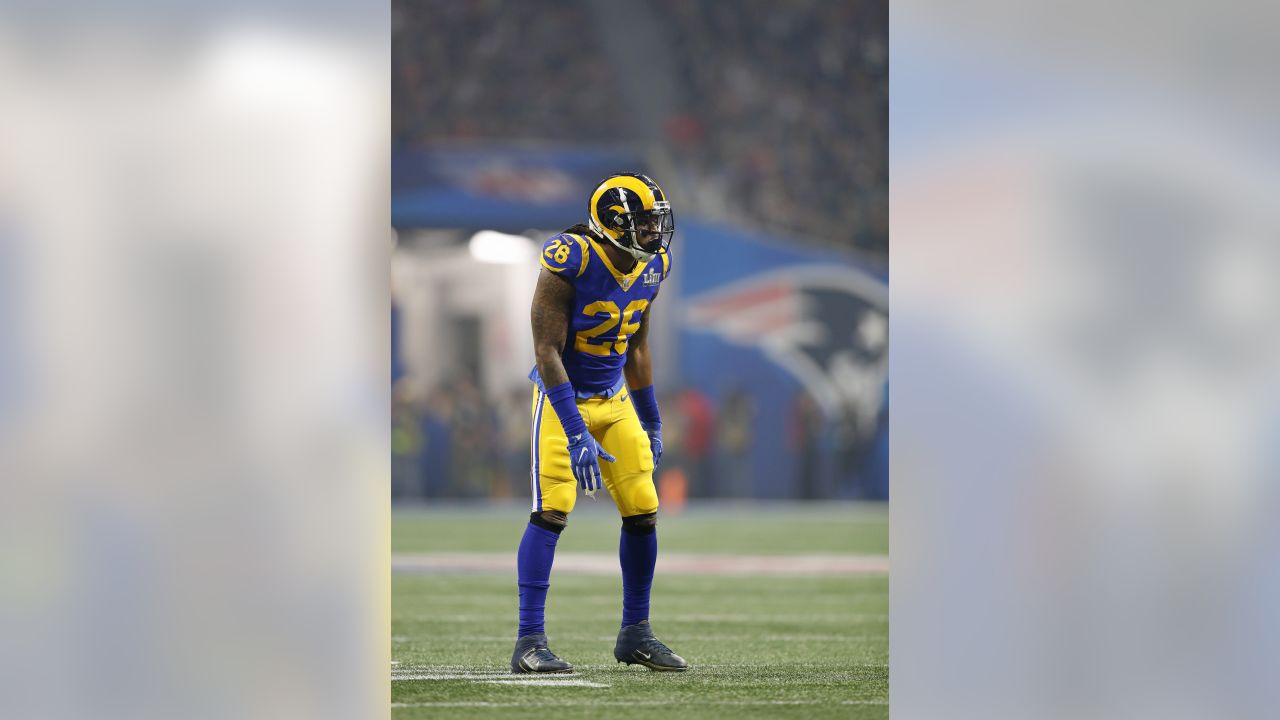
(584, 452)
(655, 444)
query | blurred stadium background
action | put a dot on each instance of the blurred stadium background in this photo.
(766, 123)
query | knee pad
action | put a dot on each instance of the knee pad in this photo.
(640, 524)
(552, 520)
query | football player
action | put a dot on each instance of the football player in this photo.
(595, 417)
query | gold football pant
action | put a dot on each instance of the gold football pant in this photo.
(614, 424)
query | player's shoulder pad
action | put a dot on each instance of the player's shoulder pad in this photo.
(666, 263)
(565, 255)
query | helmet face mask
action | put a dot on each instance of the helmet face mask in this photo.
(631, 212)
(649, 231)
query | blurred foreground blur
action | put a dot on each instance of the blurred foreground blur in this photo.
(1086, 518)
(193, 443)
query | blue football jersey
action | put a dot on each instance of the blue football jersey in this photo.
(607, 307)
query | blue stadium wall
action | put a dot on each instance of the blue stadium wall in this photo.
(730, 271)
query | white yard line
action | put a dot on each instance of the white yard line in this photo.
(547, 681)
(773, 637)
(634, 703)
(491, 677)
(566, 617)
(755, 617)
(448, 676)
(668, 563)
(460, 672)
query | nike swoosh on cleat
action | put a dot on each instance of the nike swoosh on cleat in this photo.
(643, 654)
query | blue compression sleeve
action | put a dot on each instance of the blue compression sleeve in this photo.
(647, 407)
(533, 569)
(565, 403)
(637, 554)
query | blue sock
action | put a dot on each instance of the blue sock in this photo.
(533, 568)
(637, 553)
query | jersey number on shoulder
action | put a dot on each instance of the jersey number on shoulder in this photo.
(558, 251)
(630, 323)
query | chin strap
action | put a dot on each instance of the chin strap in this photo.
(639, 255)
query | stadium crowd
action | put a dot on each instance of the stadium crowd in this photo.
(496, 70)
(786, 118)
(779, 119)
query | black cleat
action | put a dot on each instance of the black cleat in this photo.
(637, 645)
(533, 656)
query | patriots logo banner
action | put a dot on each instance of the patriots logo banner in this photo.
(826, 326)
(789, 344)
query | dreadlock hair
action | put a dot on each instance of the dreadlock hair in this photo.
(582, 229)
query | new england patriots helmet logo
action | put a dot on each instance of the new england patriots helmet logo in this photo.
(826, 326)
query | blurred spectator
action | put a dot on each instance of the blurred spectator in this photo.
(733, 473)
(852, 444)
(437, 430)
(516, 418)
(407, 442)
(875, 471)
(675, 432)
(397, 359)
(476, 440)
(806, 442)
(696, 417)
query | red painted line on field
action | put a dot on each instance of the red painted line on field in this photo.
(669, 563)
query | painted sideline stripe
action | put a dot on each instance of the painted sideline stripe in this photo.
(566, 615)
(463, 673)
(541, 681)
(668, 564)
(492, 677)
(495, 676)
(632, 703)
(770, 637)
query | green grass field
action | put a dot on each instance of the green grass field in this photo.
(769, 646)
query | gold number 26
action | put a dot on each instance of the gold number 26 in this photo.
(557, 251)
(630, 323)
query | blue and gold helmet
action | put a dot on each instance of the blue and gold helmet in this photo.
(631, 211)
